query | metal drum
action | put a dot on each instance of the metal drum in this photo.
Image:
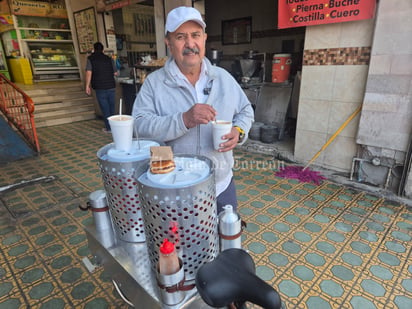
(181, 206)
(255, 130)
(269, 134)
(118, 173)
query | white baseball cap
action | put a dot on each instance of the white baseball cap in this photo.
(180, 15)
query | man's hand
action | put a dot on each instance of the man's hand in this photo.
(88, 90)
(233, 139)
(199, 114)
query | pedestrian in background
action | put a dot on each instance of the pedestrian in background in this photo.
(100, 73)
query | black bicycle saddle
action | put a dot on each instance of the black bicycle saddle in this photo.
(231, 279)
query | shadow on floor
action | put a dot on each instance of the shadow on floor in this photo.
(12, 146)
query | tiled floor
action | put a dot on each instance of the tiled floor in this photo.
(325, 246)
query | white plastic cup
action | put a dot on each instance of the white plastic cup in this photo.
(122, 131)
(220, 128)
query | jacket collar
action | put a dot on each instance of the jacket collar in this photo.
(170, 78)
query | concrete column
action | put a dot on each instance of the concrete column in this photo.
(160, 19)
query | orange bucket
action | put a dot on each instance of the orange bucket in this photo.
(281, 67)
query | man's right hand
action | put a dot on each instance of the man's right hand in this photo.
(199, 114)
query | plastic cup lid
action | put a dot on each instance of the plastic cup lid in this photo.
(140, 151)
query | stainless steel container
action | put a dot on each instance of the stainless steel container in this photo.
(100, 210)
(215, 56)
(169, 287)
(184, 211)
(118, 173)
(230, 229)
(101, 216)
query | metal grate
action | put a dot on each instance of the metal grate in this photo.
(18, 108)
(124, 203)
(122, 196)
(187, 216)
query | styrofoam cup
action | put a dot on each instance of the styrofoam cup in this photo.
(122, 131)
(220, 128)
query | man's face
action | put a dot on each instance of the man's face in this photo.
(187, 45)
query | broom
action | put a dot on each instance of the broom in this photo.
(304, 174)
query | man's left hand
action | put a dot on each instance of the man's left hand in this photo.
(233, 139)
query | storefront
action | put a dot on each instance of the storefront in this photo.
(38, 42)
(50, 40)
(339, 65)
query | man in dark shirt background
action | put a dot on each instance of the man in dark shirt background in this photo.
(100, 73)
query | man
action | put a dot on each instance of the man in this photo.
(100, 72)
(177, 103)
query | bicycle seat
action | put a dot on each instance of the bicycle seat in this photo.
(231, 279)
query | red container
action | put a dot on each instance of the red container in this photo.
(281, 67)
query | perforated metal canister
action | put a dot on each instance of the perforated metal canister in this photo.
(118, 173)
(184, 214)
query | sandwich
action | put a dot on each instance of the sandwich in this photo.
(161, 160)
(162, 167)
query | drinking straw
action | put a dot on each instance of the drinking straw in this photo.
(137, 138)
(120, 109)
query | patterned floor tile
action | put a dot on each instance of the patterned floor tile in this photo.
(320, 246)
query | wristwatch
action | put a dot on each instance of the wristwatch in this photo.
(241, 134)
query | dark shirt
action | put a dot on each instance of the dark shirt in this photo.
(103, 69)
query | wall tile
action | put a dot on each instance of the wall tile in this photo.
(313, 115)
(307, 144)
(392, 43)
(337, 56)
(339, 113)
(323, 36)
(357, 33)
(340, 153)
(379, 129)
(410, 89)
(386, 103)
(401, 64)
(393, 26)
(380, 64)
(389, 84)
(406, 124)
(318, 82)
(350, 83)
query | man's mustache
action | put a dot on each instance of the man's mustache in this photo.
(191, 50)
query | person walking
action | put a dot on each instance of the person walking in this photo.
(100, 73)
(177, 103)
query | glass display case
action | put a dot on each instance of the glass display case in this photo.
(52, 60)
(47, 44)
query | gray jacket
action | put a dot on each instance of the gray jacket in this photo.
(161, 102)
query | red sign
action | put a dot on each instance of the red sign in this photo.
(298, 13)
(119, 4)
